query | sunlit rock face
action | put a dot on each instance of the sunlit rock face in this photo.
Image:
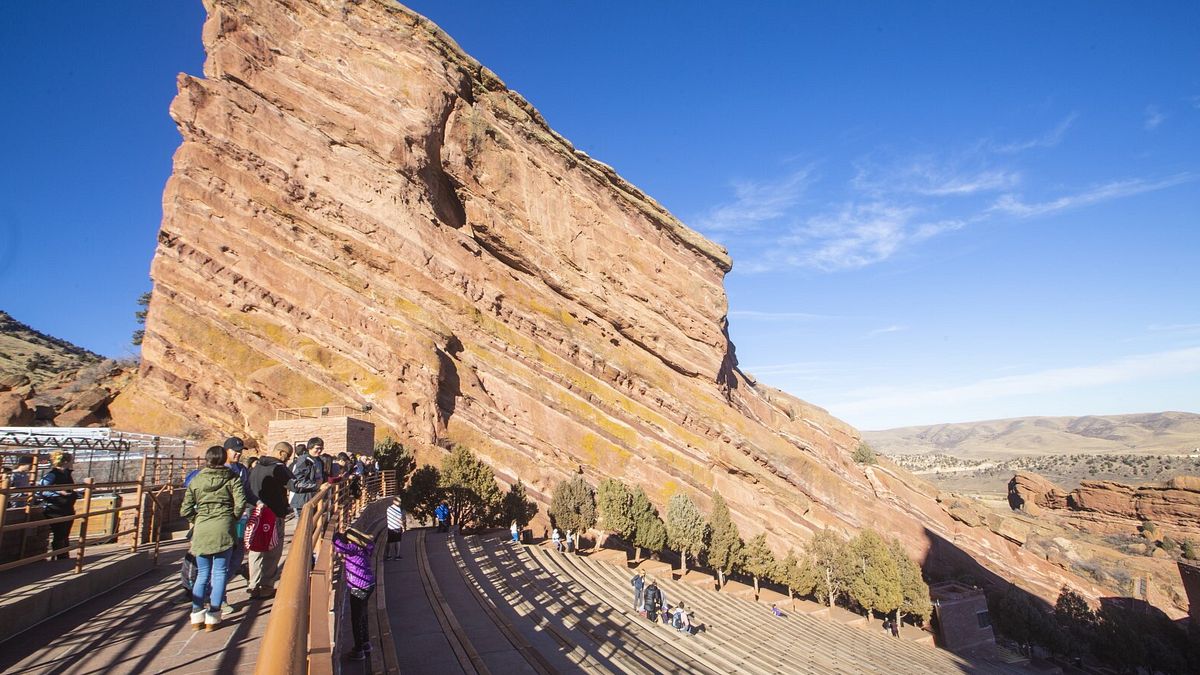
(361, 213)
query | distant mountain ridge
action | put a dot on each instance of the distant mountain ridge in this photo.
(40, 357)
(1156, 433)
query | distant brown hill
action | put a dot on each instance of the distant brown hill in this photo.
(1150, 433)
(40, 357)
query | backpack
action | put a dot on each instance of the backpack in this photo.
(653, 598)
(262, 530)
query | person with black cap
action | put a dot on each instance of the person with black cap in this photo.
(308, 475)
(233, 460)
(269, 480)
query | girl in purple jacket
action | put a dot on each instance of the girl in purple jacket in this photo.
(357, 550)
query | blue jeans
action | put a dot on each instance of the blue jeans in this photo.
(211, 569)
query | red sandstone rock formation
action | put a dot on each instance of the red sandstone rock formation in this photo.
(1108, 506)
(361, 213)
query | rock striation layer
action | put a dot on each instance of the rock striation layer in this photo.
(361, 213)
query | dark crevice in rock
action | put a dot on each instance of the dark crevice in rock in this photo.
(442, 187)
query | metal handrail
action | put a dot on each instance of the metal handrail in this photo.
(297, 636)
(91, 489)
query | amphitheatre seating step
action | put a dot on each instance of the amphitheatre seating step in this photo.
(611, 590)
(559, 602)
(796, 644)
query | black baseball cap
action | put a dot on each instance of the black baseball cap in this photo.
(234, 443)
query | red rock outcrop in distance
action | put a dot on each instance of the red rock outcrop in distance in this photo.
(361, 213)
(1112, 507)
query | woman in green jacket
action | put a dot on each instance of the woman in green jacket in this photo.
(213, 502)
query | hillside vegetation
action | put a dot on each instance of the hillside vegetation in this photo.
(40, 357)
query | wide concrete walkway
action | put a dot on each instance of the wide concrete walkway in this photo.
(141, 627)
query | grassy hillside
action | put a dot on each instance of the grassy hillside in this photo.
(39, 356)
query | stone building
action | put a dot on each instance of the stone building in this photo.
(961, 612)
(342, 428)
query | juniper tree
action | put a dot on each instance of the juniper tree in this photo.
(516, 506)
(791, 573)
(573, 506)
(143, 301)
(725, 547)
(827, 565)
(615, 503)
(392, 455)
(475, 498)
(1076, 619)
(686, 529)
(863, 454)
(913, 589)
(423, 492)
(875, 581)
(758, 559)
(648, 529)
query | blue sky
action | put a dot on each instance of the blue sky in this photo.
(937, 211)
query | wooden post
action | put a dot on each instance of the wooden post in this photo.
(138, 519)
(87, 511)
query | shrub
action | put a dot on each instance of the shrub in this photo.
(863, 454)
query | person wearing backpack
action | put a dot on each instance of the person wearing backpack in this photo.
(308, 475)
(269, 480)
(653, 600)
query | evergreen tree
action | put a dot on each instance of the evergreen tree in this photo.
(686, 529)
(863, 454)
(875, 581)
(759, 560)
(725, 547)
(573, 506)
(1189, 550)
(616, 507)
(143, 301)
(423, 493)
(475, 498)
(827, 565)
(790, 573)
(1076, 619)
(392, 456)
(516, 506)
(649, 532)
(914, 591)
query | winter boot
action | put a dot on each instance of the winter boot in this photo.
(198, 619)
(211, 620)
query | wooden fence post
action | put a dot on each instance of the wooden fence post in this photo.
(87, 511)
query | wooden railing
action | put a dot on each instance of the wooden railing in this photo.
(297, 639)
(84, 513)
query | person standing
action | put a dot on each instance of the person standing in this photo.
(442, 513)
(22, 476)
(515, 532)
(316, 448)
(269, 480)
(59, 503)
(556, 539)
(356, 549)
(639, 584)
(395, 527)
(308, 475)
(213, 501)
(234, 447)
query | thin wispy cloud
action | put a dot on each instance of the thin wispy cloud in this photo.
(756, 203)
(928, 177)
(1015, 206)
(887, 329)
(1129, 369)
(1047, 140)
(1154, 118)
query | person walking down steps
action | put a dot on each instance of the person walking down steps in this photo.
(356, 549)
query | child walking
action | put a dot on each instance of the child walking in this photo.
(356, 549)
